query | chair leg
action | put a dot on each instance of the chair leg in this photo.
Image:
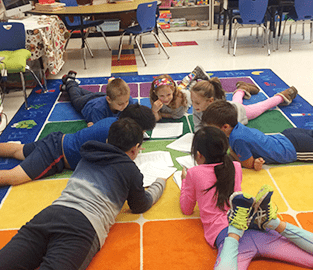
(311, 29)
(24, 90)
(88, 48)
(105, 39)
(290, 37)
(140, 51)
(235, 41)
(68, 40)
(84, 57)
(161, 45)
(120, 47)
(27, 68)
(169, 41)
(266, 40)
(283, 32)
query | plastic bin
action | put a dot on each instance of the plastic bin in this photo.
(109, 26)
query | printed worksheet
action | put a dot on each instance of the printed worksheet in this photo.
(182, 144)
(167, 130)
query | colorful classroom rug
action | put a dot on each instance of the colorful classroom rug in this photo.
(127, 65)
(161, 238)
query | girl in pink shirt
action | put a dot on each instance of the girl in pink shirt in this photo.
(230, 216)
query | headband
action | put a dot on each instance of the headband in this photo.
(160, 82)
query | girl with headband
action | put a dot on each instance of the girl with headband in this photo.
(171, 101)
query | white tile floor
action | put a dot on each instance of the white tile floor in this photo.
(295, 67)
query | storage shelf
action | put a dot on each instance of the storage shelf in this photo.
(196, 12)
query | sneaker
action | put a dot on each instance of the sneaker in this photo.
(263, 207)
(288, 95)
(241, 210)
(200, 73)
(72, 75)
(248, 87)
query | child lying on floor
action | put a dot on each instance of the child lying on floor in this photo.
(59, 151)
(252, 147)
(211, 184)
(97, 106)
(169, 100)
(70, 232)
(205, 92)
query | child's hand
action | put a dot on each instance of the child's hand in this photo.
(183, 173)
(157, 105)
(89, 124)
(258, 162)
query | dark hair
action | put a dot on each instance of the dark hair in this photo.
(125, 133)
(141, 114)
(211, 88)
(219, 113)
(117, 87)
(212, 143)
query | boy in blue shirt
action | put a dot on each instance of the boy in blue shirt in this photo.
(96, 106)
(58, 151)
(69, 233)
(252, 147)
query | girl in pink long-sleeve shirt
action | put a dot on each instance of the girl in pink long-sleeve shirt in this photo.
(211, 184)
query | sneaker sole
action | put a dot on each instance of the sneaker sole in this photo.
(204, 73)
(265, 189)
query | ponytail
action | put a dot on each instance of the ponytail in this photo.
(211, 88)
(212, 143)
(225, 182)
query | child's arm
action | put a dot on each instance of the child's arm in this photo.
(89, 124)
(156, 107)
(252, 163)
(187, 194)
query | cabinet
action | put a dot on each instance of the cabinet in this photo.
(196, 12)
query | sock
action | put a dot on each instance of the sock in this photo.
(186, 80)
(273, 224)
(232, 229)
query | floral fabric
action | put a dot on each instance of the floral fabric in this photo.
(48, 42)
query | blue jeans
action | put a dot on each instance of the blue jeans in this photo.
(57, 238)
(79, 96)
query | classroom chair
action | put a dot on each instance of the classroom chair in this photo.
(146, 15)
(73, 23)
(12, 49)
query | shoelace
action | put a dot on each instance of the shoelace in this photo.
(239, 216)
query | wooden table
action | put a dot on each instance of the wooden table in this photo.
(93, 10)
(110, 10)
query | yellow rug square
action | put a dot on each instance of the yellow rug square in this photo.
(25, 201)
(168, 206)
(252, 181)
(296, 185)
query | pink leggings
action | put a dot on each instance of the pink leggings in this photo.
(254, 110)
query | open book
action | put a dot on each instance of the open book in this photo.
(153, 165)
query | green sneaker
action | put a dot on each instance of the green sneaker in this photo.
(263, 207)
(241, 210)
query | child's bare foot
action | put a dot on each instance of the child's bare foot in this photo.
(288, 95)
